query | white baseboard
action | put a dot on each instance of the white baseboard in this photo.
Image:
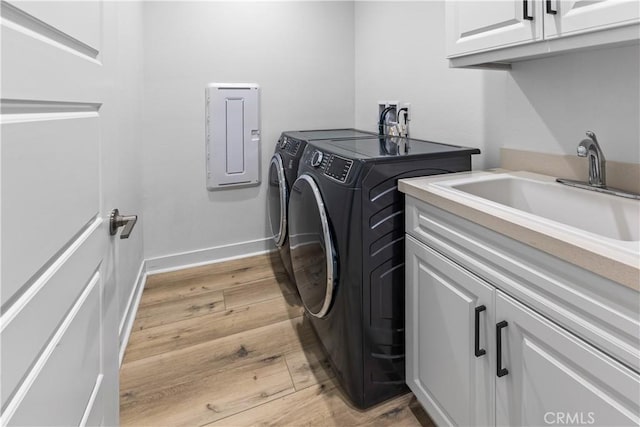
(208, 256)
(126, 324)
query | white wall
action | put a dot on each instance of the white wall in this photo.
(326, 64)
(400, 55)
(541, 105)
(301, 54)
(550, 103)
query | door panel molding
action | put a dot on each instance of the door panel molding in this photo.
(16, 402)
(16, 18)
(12, 107)
(68, 76)
(92, 413)
(39, 311)
(47, 165)
(12, 306)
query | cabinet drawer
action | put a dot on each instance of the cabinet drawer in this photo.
(596, 309)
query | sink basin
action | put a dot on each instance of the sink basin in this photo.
(608, 216)
(597, 232)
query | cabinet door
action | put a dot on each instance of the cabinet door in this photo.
(453, 385)
(580, 16)
(555, 378)
(476, 26)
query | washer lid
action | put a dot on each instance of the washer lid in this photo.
(312, 251)
(278, 197)
(394, 147)
(322, 134)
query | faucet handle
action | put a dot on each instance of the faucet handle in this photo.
(586, 144)
(582, 151)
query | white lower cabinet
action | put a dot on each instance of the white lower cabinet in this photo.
(476, 356)
(555, 378)
(452, 383)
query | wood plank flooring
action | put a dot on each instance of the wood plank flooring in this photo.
(227, 345)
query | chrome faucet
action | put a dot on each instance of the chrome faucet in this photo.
(590, 149)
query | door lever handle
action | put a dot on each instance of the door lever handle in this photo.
(116, 221)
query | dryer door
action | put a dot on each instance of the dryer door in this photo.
(312, 251)
(278, 197)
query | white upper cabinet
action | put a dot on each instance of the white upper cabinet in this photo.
(485, 33)
(475, 26)
(563, 18)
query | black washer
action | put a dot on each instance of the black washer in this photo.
(283, 171)
(312, 248)
(362, 324)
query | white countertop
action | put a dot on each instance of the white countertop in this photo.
(616, 260)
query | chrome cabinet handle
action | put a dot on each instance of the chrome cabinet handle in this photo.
(549, 10)
(116, 221)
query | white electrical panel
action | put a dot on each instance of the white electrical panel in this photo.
(232, 134)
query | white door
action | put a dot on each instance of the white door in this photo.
(569, 17)
(59, 321)
(477, 26)
(450, 339)
(550, 377)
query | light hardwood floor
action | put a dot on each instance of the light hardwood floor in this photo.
(227, 344)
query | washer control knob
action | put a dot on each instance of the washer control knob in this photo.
(283, 142)
(316, 159)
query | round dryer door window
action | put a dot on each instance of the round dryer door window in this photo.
(277, 200)
(312, 251)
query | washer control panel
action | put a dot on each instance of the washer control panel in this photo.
(337, 167)
(316, 159)
(290, 145)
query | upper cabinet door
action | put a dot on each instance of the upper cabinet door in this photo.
(474, 26)
(580, 16)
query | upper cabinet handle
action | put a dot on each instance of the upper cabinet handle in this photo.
(549, 10)
(525, 11)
